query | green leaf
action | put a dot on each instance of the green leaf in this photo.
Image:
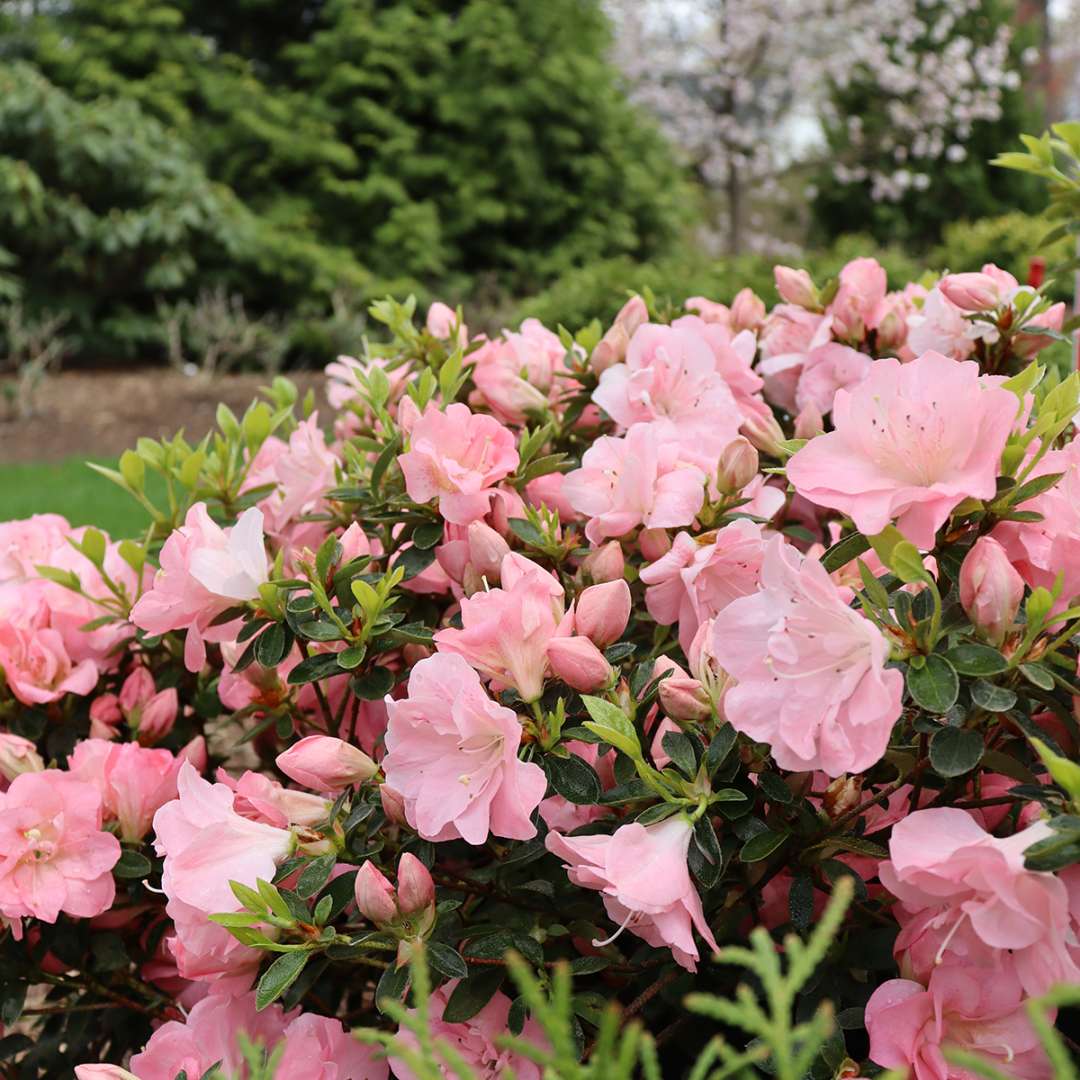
(427, 535)
(132, 864)
(1038, 676)
(907, 564)
(762, 845)
(472, 994)
(990, 697)
(573, 779)
(392, 986)
(971, 659)
(373, 685)
(278, 977)
(612, 725)
(955, 751)
(272, 645)
(933, 685)
(314, 668)
(681, 751)
(843, 551)
(314, 875)
(447, 961)
(1065, 773)
(415, 560)
(527, 531)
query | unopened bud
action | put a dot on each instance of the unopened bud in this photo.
(990, 589)
(137, 690)
(796, 287)
(603, 611)
(605, 563)
(323, 763)
(681, 697)
(579, 663)
(971, 292)
(842, 795)
(374, 895)
(415, 889)
(747, 311)
(157, 717)
(18, 755)
(654, 544)
(738, 465)
(105, 716)
(393, 804)
(765, 433)
(809, 424)
(486, 551)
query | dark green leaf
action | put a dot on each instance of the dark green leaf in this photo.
(527, 531)
(801, 902)
(373, 685)
(761, 846)
(314, 875)
(392, 985)
(681, 751)
(279, 976)
(955, 751)
(314, 668)
(719, 748)
(272, 645)
(843, 551)
(971, 659)
(472, 994)
(1038, 676)
(573, 779)
(990, 697)
(446, 961)
(427, 535)
(132, 864)
(415, 560)
(774, 789)
(933, 685)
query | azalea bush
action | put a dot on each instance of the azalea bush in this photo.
(520, 715)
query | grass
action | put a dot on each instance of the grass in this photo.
(70, 488)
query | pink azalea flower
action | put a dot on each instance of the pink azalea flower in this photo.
(701, 575)
(452, 757)
(909, 1026)
(457, 456)
(858, 301)
(134, 782)
(36, 663)
(954, 878)
(671, 374)
(54, 856)
(205, 570)
(475, 1040)
(640, 479)
(206, 844)
(641, 871)
(29, 543)
(829, 368)
(939, 326)
(521, 373)
(442, 322)
(810, 671)
(911, 442)
(506, 631)
(1041, 550)
(790, 336)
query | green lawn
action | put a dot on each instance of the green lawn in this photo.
(72, 489)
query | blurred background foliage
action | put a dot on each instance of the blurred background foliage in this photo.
(301, 157)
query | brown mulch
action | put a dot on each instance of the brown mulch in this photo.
(102, 413)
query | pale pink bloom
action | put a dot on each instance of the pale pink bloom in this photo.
(859, 299)
(319, 1048)
(940, 327)
(785, 346)
(946, 868)
(255, 685)
(810, 671)
(892, 328)
(205, 570)
(602, 612)
(795, 286)
(323, 763)
(701, 575)
(709, 310)
(134, 782)
(671, 374)
(1041, 550)
(36, 664)
(302, 470)
(476, 1041)
(103, 1072)
(505, 632)
(642, 873)
(442, 322)
(18, 755)
(990, 589)
(54, 856)
(829, 368)
(640, 479)
(909, 1026)
(910, 443)
(457, 457)
(579, 663)
(28, 543)
(149, 712)
(521, 373)
(259, 798)
(747, 311)
(206, 844)
(452, 756)
(209, 1037)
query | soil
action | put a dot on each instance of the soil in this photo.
(103, 413)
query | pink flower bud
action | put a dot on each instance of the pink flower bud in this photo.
(681, 697)
(738, 465)
(891, 330)
(764, 432)
(632, 314)
(323, 763)
(1027, 345)
(603, 611)
(441, 321)
(195, 752)
(486, 551)
(393, 804)
(605, 563)
(654, 544)
(971, 292)
(579, 663)
(809, 424)
(105, 716)
(747, 311)
(709, 310)
(610, 349)
(796, 287)
(505, 504)
(18, 755)
(137, 690)
(990, 589)
(158, 716)
(415, 889)
(374, 894)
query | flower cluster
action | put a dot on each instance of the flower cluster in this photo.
(600, 649)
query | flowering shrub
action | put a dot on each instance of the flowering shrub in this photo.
(477, 716)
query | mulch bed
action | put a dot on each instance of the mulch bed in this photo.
(103, 413)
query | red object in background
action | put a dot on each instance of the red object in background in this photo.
(1036, 272)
